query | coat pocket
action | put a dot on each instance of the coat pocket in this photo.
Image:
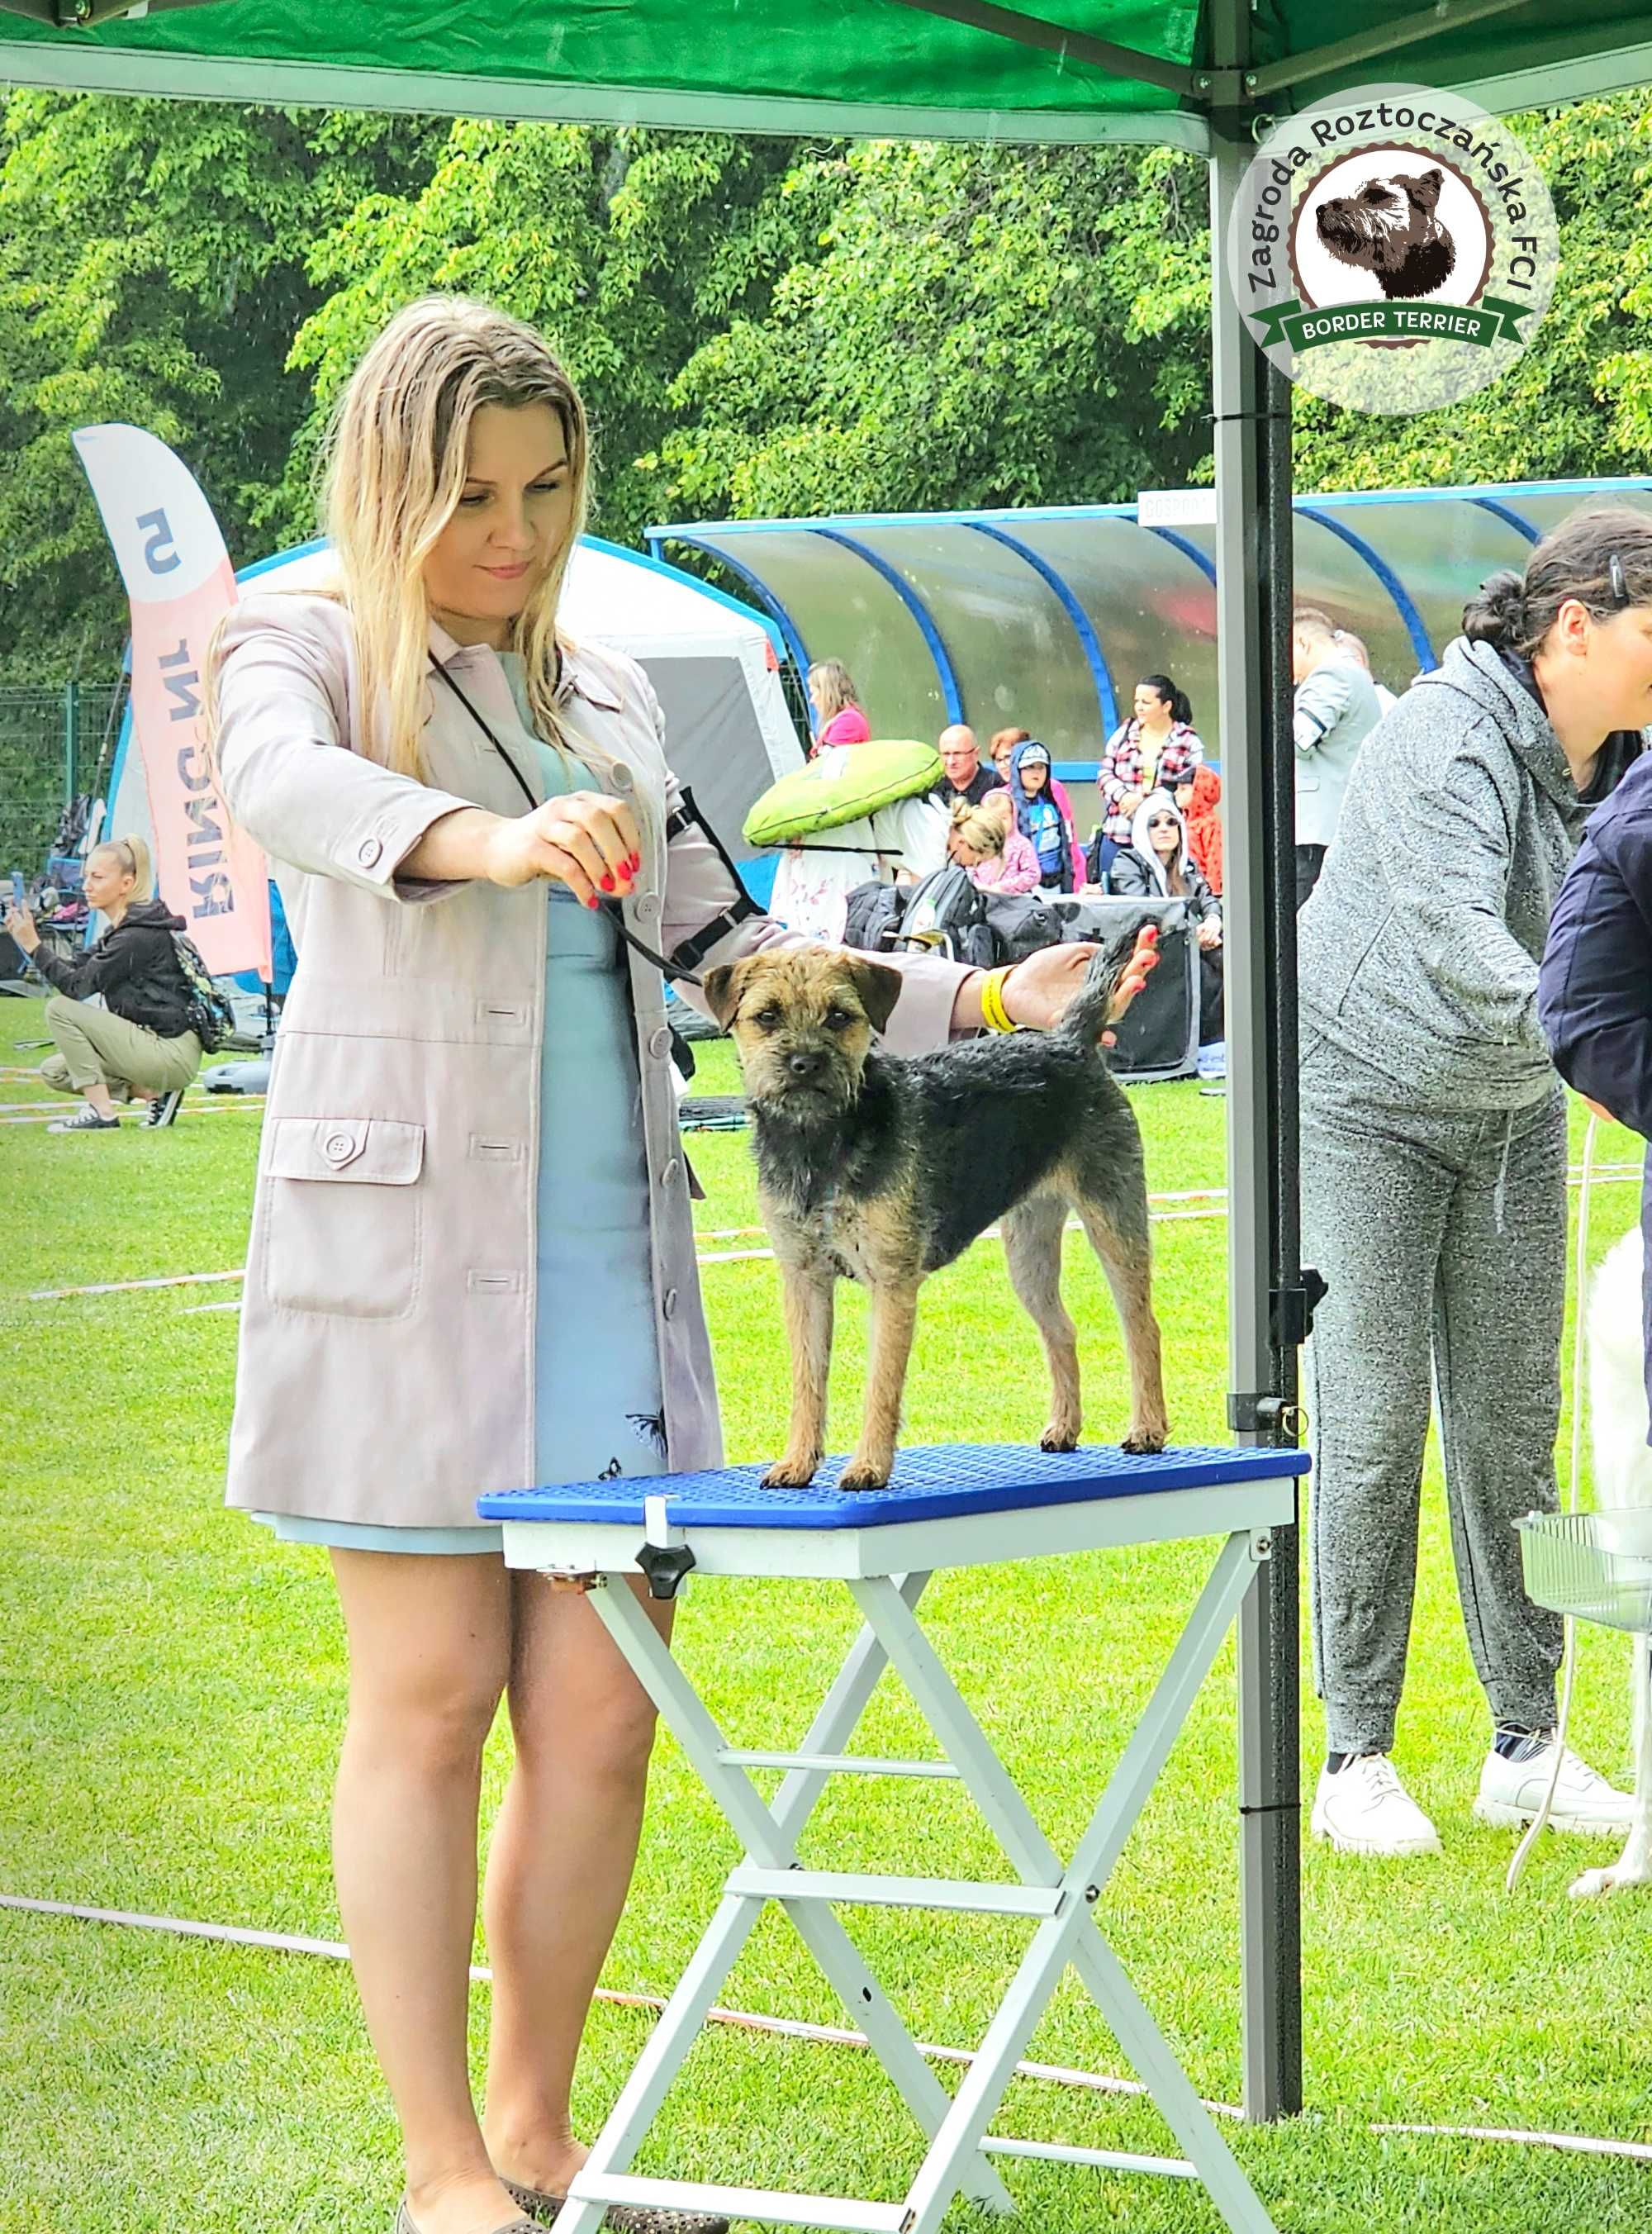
(343, 1216)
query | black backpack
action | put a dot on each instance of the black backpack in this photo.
(207, 1013)
(871, 915)
(1023, 923)
(947, 911)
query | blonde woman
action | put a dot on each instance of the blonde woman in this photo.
(839, 720)
(988, 844)
(137, 1045)
(472, 1264)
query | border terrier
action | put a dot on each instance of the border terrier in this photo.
(882, 1170)
(1389, 229)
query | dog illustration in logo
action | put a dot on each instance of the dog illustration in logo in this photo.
(1389, 229)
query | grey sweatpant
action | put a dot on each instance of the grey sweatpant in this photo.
(1444, 1240)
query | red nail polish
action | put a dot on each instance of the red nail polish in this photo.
(608, 884)
(593, 902)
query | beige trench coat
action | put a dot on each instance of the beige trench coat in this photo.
(387, 1347)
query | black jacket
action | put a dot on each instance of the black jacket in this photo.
(1130, 876)
(134, 966)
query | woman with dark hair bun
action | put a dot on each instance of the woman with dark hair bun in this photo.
(1433, 1163)
(1156, 749)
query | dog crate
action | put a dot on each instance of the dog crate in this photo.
(1597, 1566)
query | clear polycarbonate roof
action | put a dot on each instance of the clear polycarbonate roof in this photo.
(1045, 619)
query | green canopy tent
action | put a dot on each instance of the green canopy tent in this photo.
(1153, 71)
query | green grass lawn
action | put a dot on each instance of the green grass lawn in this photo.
(171, 1689)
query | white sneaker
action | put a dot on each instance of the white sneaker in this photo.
(1512, 1792)
(1362, 1808)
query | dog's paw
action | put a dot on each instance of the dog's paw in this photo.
(791, 1473)
(865, 1474)
(1594, 1884)
(1059, 1439)
(1144, 1442)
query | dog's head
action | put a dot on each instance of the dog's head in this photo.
(1379, 226)
(803, 1019)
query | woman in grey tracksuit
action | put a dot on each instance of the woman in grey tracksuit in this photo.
(1433, 1159)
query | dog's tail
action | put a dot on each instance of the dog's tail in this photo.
(1086, 1014)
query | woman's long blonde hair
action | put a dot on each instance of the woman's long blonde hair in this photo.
(396, 460)
(835, 685)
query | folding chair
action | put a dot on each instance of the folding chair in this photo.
(949, 1507)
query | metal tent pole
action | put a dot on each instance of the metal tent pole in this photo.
(1251, 404)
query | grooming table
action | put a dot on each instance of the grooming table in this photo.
(949, 1506)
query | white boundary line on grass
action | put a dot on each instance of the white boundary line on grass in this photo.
(280, 1942)
(1057, 2074)
(1217, 1196)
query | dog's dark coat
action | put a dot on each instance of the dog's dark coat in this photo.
(882, 1170)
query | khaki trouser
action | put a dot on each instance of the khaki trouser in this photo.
(95, 1047)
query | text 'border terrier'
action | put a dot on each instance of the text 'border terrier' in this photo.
(881, 1169)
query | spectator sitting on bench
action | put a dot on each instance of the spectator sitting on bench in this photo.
(1039, 818)
(138, 1047)
(987, 843)
(1158, 864)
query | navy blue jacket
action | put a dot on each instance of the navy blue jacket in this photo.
(1594, 987)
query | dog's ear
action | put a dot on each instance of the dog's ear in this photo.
(1424, 190)
(723, 986)
(879, 987)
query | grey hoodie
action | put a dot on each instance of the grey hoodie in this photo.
(1418, 946)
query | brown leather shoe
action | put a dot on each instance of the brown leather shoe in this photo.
(404, 2221)
(622, 2218)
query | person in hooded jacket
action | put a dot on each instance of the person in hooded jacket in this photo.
(1039, 818)
(1434, 1164)
(139, 1046)
(1158, 864)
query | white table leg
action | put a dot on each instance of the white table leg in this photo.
(769, 1834)
(1071, 1936)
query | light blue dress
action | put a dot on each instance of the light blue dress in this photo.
(598, 1407)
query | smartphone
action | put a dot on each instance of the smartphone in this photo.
(16, 888)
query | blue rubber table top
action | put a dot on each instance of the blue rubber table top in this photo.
(930, 1483)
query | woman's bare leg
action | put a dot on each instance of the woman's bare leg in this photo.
(429, 1651)
(559, 1867)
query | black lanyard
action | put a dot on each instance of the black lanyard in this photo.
(670, 969)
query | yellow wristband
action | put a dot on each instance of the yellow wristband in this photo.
(994, 1014)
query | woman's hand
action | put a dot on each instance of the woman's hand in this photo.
(1130, 802)
(1210, 932)
(585, 840)
(1037, 991)
(21, 924)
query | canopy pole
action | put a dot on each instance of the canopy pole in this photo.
(1251, 404)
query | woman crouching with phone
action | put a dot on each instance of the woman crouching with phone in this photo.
(139, 1046)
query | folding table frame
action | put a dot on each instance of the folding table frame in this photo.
(948, 1507)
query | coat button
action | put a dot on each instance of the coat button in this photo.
(368, 853)
(669, 1306)
(669, 1175)
(659, 1043)
(621, 777)
(338, 1147)
(648, 907)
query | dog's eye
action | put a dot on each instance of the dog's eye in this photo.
(768, 1018)
(838, 1020)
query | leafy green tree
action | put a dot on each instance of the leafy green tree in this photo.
(964, 325)
(153, 269)
(626, 248)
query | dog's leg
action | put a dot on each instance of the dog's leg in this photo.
(894, 1315)
(1032, 1233)
(808, 1298)
(1633, 1865)
(1127, 1258)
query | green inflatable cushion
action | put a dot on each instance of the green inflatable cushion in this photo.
(845, 783)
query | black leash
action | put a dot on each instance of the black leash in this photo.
(668, 968)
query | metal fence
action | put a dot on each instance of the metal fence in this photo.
(54, 744)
